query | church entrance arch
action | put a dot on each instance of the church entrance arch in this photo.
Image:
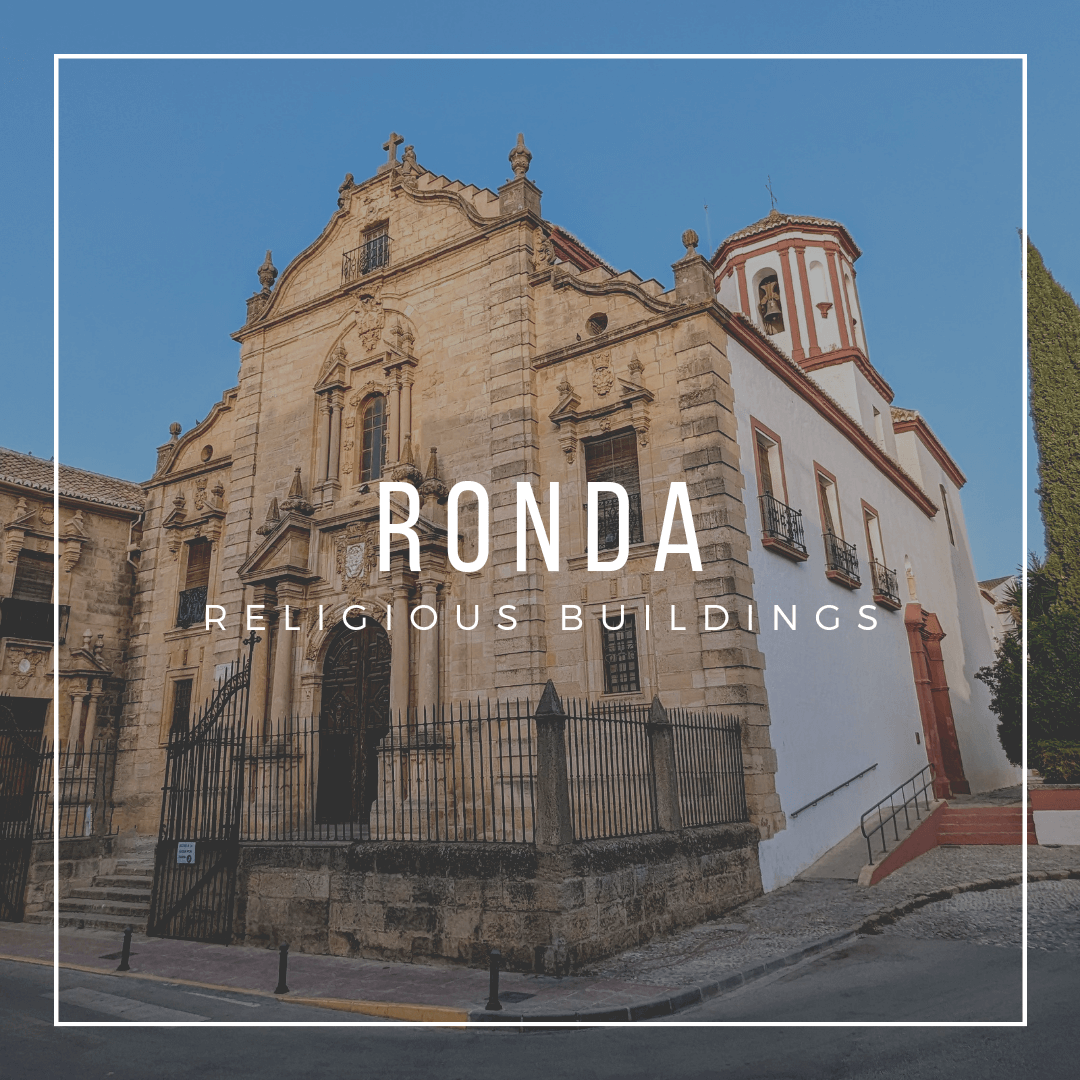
(354, 718)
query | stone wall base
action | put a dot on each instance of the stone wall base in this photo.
(80, 860)
(546, 911)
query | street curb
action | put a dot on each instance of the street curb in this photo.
(694, 995)
(643, 1011)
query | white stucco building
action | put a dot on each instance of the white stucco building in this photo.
(877, 498)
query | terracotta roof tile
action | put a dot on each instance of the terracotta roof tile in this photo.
(37, 473)
(775, 218)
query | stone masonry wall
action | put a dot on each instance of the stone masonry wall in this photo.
(549, 912)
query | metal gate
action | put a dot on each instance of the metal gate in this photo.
(195, 887)
(25, 789)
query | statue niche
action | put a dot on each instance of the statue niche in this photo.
(772, 312)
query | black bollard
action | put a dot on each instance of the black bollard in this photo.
(125, 952)
(282, 968)
(494, 1004)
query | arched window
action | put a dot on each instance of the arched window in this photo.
(373, 438)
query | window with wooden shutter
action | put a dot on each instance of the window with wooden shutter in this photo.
(198, 565)
(181, 709)
(612, 459)
(33, 577)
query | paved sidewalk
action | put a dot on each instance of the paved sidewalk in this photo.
(654, 980)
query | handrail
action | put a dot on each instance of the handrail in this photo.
(833, 791)
(916, 791)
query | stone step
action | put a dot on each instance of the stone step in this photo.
(80, 921)
(121, 881)
(98, 892)
(120, 908)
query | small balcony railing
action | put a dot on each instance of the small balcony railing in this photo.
(782, 524)
(192, 607)
(885, 590)
(31, 620)
(367, 257)
(841, 560)
(607, 521)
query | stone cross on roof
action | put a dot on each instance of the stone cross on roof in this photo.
(391, 145)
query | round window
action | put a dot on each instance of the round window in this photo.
(207, 452)
(597, 323)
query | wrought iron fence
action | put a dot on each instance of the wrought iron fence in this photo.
(884, 582)
(841, 557)
(365, 258)
(85, 790)
(610, 767)
(780, 522)
(607, 521)
(463, 772)
(708, 767)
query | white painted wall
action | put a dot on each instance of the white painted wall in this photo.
(843, 700)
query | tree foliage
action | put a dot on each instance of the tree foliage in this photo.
(1054, 365)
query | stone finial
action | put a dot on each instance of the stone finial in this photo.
(390, 146)
(433, 487)
(346, 185)
(273, 517)
(86, 636)
(295, 501)
(267, 274)
(174, 430)
(99, 645)
(405, 471)
(520, 157)
(690, 241)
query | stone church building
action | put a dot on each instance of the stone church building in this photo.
(437, 332)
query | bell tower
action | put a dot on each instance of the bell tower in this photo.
(793, 278)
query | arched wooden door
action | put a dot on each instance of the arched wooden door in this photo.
(355, 716)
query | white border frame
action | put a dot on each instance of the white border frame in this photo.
(57, 57)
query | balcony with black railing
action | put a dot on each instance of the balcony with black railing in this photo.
(782, 529)
(192, 607)
(31, 620)
(607, 521)
(885, 590)
(369, 256)
(841, 561)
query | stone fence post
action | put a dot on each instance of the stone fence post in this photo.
(662, 744)
(553, 826)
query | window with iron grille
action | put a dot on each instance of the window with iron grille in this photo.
(376, 247)
(373, 438)
(181, 709)
(620, 658)
(192, 606)
(612, 459)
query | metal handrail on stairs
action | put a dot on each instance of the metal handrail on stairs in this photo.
(920, 784)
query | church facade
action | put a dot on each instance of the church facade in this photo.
(438, 333)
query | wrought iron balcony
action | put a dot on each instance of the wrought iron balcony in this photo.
(782, 528)
(192, 607)
(885, 590)
(367, 257)
(31, 620)
(607, 521)
(841, 561)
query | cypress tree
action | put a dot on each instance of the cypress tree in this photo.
(1054, 367)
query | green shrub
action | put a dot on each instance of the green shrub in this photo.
(1058, 762)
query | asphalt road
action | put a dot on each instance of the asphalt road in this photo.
(925, 956)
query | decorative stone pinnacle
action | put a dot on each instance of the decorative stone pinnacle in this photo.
(295, 502)
(690, 241)
(267, 274)
(174, 430)
(520, 157)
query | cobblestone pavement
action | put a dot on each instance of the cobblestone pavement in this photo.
(993, 917)
(804, 912)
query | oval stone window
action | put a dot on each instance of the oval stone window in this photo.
(597, 323)
(207, 452)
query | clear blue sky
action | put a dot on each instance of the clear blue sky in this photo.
(177, 175)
